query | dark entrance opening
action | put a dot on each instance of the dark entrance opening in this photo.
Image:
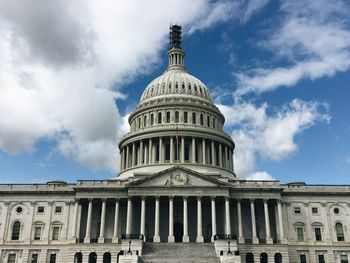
(178, 232)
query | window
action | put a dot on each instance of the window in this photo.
(168, 117)
(297, 210)
(41, 209)
(37, 232)
(176, 116)
(314, 210)
(208, 121)
(55, 232)
(214, 123)
(34, 258)
(52, 258)
(194, 121)
(58, 209)
(321, 259)
(202, 119)
(159, 117)
(185, 117)
(302, 258)
(16, 230)
(139, 123)
(340, 231)
(152, 119)
(300, 233)
(11, 258)
(19, 210)
(344, 259)
(336, 211)
(318, 235)
(144, 121)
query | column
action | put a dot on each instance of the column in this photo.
(146, 155)
(171, 220)
(199, 238)
(88, 223)
(101, 238)
(280, 221)
(129, 218)
(116, 222)
(133, 154)
(143, 214)
(185, 237)
(220, 155)
(226, 155)
(213, 218)
(171, 149)
(193, 150)
(75, 221)
(156, 237)
(127, 157)
(227, 217)
(252, 211)
(267, 222)
(182, 151)
(212, 153)
(160, 150)
(203, 151)
(121, 160)
(240, 227)
(141, 153)
(150, 156)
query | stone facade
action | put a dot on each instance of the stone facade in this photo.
(176, 186)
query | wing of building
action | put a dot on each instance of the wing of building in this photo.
(177, 198)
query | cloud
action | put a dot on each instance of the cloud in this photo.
(64, 65)
(312, 41)
(347, 159)
(262, 132)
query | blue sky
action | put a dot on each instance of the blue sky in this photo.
(278, 70)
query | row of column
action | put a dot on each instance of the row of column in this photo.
(199, 237)
(140, 153)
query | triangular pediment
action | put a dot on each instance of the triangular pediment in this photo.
(177, 176)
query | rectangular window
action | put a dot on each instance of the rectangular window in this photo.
(297, 210)
(314, 210)
(53, 258)
(41, 209)
(300, 233)
(318, 235)
(303, 259)
(321, 259)
(11, 258)
(37, 233)
(344, 259)
(58, 209)
(34, 258)
(55, 232)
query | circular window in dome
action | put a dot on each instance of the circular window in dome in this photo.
(19, 209)
(336, 211)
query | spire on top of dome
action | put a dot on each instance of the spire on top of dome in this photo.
(175, 53)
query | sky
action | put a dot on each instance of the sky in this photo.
(71, 72)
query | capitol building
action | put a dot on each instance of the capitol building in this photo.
(176, 198)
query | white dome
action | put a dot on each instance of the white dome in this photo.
(176, 81)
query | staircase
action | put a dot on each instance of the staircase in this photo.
(179, 253)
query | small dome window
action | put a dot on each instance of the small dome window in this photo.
(189, 87)
(183, 86)
(176, 86)
(176, 116)
(19, 209)
(195, 88)
(185, 117)
(194, 121)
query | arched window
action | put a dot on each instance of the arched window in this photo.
(145, 121)
(139, 123)
(249, 258)
(152, 119)
(107, 257)
(201, 119)
(263, 258)
(194, 119)
(16, 230)
(78, 257)
(278, 258)
(208, 121)
(159, 117)
(214, 123)
(185, 117)
(176, 116)
(11, 258)
(92, 257)
(340, 231)
(168, 117)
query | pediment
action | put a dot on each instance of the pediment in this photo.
(177, 176)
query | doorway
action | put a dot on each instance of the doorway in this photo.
(178, 232)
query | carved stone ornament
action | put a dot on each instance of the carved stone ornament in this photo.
(177, 179)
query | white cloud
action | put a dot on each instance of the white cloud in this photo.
(63, 63)
(314, 40)
(258, 133)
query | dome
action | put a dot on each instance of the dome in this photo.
(176, 81)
